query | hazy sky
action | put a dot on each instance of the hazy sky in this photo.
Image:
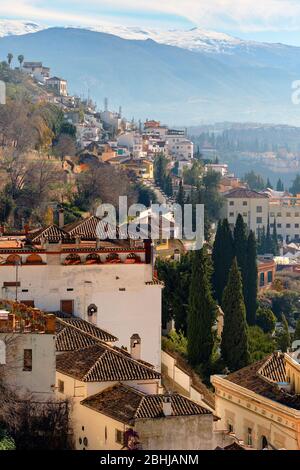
(268, 20)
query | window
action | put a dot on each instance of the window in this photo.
(270, 276)
(245, 214)
(296, 225)
(249, 437)
(230, 427)
(245, 203)
(288, 225)
(119, 436)
(231, 203)
(61, 386)
(231, 214)
(288, 214)
(272, 214)
(262, 279)
(258, 220)
(278, 214)
(27, 360)
(259, 209)
(296, 214)
(278, 225)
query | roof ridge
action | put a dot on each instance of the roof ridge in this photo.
(85, 332)
(90, 371)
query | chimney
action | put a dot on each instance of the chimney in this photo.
(167, 405)
(61, 218)
(135, 346)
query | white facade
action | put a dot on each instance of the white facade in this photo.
(126, 304)
(133, 142)
(40, 379)
(256, 211)
(179, 147)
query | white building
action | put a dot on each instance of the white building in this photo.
(27, 350)
(221, 168)
(59, 85)
(36, 70)
(257, 207)
(133, 142)
(58, 274)
(178, 146)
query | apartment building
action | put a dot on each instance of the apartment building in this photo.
(257, 207)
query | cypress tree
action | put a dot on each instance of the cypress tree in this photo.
(180, 195)
(240, 248)
(269, 184)
(201, 311)
(275, 239)
(251, 282)
(222, 256)
(284, 339)
(234, 344)
(269, 240)
(279, 186)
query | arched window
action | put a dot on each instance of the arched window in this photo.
(34, 259)
(264, 442)
(2, 352)
(73, 258)
(93, 258)
(113, 258)
(13, 259)
(132, 258)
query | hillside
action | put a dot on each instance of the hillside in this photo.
(169, 83)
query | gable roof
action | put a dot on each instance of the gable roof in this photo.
(102, 363)
(91, 228)
(246, 194)
(74, 333)
(127, 404)
(263, 377)
(50, 233)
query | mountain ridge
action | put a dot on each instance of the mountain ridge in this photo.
(165, 82)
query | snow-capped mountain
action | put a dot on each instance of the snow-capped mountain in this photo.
(195, 39)
(18, 27)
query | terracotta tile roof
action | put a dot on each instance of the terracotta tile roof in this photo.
(101, 363)
(262, 378)
(71, 339)
(127, 404)
(91, 228)
(246, 194)
(51, 233)
(88, 328)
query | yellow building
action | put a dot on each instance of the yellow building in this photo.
(260, 403)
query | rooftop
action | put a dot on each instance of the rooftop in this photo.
(74, 333)
(244, 193)
(102, 363)
(263, 378)
(127, 404)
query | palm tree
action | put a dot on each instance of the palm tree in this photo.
(21, 60)
(9, 58)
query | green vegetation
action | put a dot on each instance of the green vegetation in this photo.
(265, 319)
(175, 342)
(283, 336)
(201, 311)
(234, 344)
(250, 290)
(255, 181)
(222, 256)
(260, 344)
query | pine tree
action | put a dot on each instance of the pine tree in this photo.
(222, 256)
(240, 248)
(234, 345)
(251, 281)
(201, 311)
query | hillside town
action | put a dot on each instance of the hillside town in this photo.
(129, 343)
